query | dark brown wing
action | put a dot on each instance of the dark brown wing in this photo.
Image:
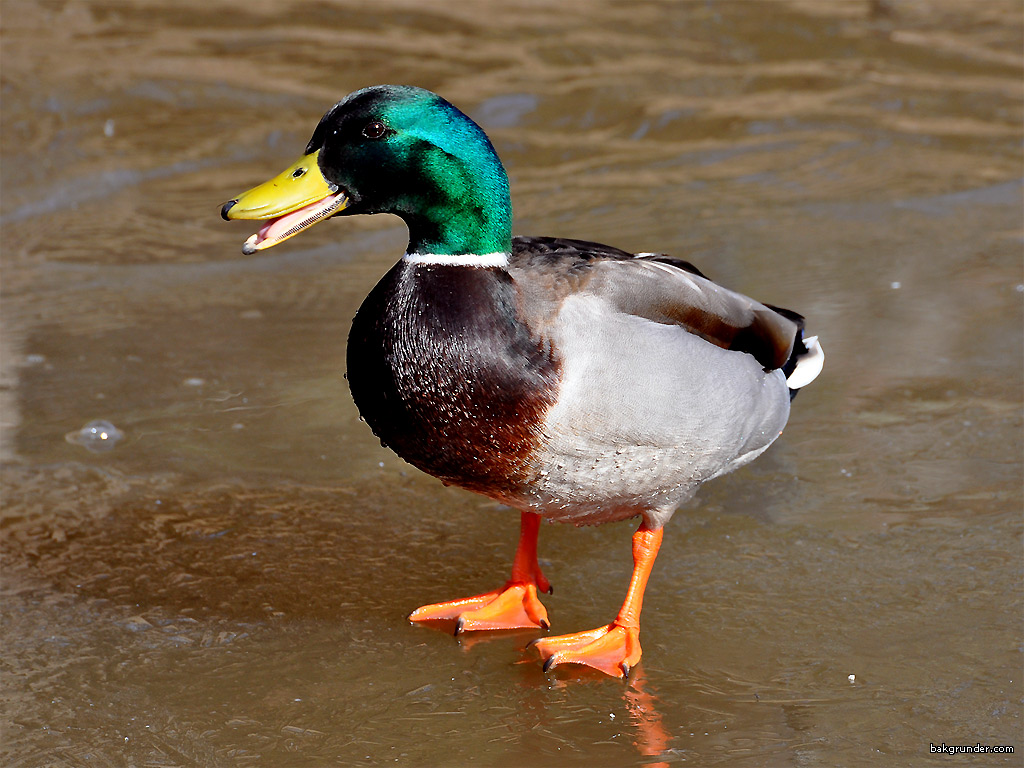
(659, 288)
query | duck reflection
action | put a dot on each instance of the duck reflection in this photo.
(645, 726)
(650, 738)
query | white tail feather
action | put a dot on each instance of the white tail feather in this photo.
(808, 365)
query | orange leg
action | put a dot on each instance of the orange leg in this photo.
(614, 648)
(514, 606)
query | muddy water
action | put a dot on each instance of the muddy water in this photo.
(227, 584)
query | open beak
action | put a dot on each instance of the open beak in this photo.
(294, 200)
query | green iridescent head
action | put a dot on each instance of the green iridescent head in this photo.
(392, 149)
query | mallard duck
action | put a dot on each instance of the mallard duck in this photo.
(570, 380)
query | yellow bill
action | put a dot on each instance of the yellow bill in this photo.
(294, 200)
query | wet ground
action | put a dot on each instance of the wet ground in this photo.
(227, 584)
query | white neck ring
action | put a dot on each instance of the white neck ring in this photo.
(459, 259)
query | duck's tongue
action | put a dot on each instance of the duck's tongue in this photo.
(280, 229)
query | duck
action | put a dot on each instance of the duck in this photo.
(566, 379)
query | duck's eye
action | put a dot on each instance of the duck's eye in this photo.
(298, 173)
(374, 129)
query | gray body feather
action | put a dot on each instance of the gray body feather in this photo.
(651, 400)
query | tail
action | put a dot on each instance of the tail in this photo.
(807, 358)
(804, 364)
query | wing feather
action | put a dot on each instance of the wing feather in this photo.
(659, 288)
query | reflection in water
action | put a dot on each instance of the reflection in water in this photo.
(588, 694)
(96, 436)
(650, 736)
(652, 740)
(648, 733)
(467, 641)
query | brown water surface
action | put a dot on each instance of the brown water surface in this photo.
(228, 584)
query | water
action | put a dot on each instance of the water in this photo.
(229, 584)
(96, 436)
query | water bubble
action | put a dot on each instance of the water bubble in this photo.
(96, 436)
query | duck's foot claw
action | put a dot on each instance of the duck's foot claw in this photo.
(612, 649)
(514, 606)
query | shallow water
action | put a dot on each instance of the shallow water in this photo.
(228, 583)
